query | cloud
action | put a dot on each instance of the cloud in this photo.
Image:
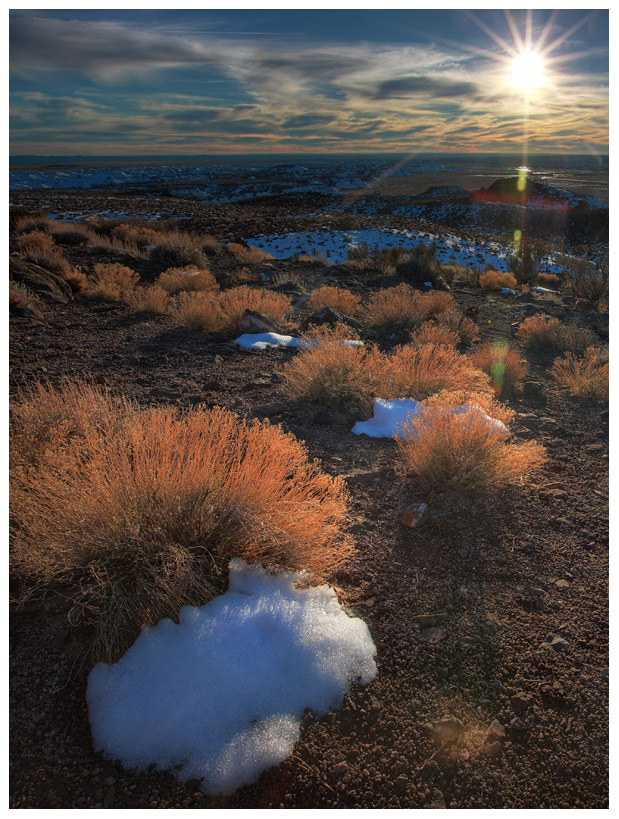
(307, 121)
(423, 85)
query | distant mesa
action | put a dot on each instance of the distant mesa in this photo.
(533, 194)
(441, 191)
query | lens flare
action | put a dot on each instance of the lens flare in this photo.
(528, 71)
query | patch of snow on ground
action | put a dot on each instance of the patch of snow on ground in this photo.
(260, 341)
(219, 696)
(391, 414)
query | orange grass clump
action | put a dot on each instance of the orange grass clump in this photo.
(434, 304)
(494, 280)
(485, 401)
(394, 306)
(173, 249)
(335, 375)
(35, 240)
(502, 363)
(431, 333)
(463, 451)
(139, 511)
(585, 377)
(550, 280)
(248, 255)
(220, 312)
(338, 298)
(112, 282)
(419, 372)
(464, 326)
(153, 299)
(179, 279)
(538, 329)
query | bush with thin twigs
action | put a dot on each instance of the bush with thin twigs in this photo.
(138, 234)
(116, 247)
(542, 331)
(419, 372)
(153, 299)
(38, 223)
(503, 364)
(339, 298)
(432, 333)
(51, 260)
(247, 255)
(462, 451)
(139, 511)
(179, 279)
(585, 279)
(111, 282)
(550, 280)
(220, 312)
(335, 375)
(464, 326)
(178, 250)
(434, 304)
(451, 272)
(484, 400)
(77, 281)
(17, 213)
(285, 277)
(394, 306)
(232, 304)
(196, 311)
(419, 264)
(585, 377)
(36, 240)
(494, 280)
(22, 298)
(71, 235)
(525, 260)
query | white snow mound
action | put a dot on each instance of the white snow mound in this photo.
(260, 341)
(219, 696)
(391, 414)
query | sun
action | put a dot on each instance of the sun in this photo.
(528, 71)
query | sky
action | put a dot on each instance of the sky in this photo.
(202, 82)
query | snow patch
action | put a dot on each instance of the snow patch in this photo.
(391, 414)
(219, 696)
(260, 341)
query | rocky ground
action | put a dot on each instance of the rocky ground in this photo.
(490, 621)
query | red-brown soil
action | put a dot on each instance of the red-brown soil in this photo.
(504, 571)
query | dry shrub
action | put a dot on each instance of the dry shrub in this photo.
(233, 303)
(419, 372)
(463, 451)
(112, 282)
(452, 272)
(71, 235)
(37, 223)
(179, 279)
(247, 255)
(178, 250)
(494, 280)
(77, 281)
(196, 311)
(22, 298)
(541, 330)
(586, 377)
(51, 260)
(340, 377)
(550, 280)
(435, 303)
(137, 234)
(394, 306)
(35, 240)
(339, 298)
(152, 299)
(431, 333)
(138, 511)
(485, 401)
(116, 247)
(464, 326)
(502, 363)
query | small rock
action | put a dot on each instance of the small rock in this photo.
(521, 701)
(496, 731)
(254, 322)
(555, 642)
(339, 769)
(493, 750)
(562, 584)
(415, 516)
(426, 620)
(438, 800)
(447, 730)
(534, 390)
(274, 408)
(331, 317)
(401, 782)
